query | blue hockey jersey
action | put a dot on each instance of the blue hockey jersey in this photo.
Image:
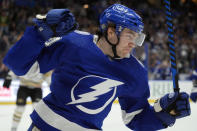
(85, 82)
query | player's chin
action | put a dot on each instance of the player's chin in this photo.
(126, 55)
(123, 53)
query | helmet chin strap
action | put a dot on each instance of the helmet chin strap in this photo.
(113, 47)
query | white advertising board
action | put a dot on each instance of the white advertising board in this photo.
(9, 94)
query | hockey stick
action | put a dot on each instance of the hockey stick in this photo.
(171, 46)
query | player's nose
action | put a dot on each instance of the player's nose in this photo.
(131, 45)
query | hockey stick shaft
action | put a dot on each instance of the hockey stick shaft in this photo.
(171, 46)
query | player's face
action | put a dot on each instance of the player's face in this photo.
(126, 43)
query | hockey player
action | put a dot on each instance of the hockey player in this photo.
(90, 72)
(193, 94)
(30, 85)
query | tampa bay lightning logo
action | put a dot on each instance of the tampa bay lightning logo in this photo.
(93, 93)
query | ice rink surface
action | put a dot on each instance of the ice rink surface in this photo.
(112, 123)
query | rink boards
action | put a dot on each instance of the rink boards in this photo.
(157, 89)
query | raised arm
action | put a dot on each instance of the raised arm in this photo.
(40, 43)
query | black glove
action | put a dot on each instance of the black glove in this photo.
(7, 82)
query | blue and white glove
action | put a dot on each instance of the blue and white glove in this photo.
(56, 23)
(171, 107)
(193, 94)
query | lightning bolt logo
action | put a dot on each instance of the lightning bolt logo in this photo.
(99, 89)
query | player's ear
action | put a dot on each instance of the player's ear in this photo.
(111, 31)
(111, 34)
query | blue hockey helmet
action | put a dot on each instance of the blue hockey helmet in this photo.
(123, 17)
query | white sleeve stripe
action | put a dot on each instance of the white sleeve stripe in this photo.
(128, 117)
(57, 121)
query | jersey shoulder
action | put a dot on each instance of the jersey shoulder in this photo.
(78, 38)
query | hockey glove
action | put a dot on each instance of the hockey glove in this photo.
(193, 94)
(7, 81)
(56, 23)
(171, 107)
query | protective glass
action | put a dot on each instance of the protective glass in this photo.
(137, 40)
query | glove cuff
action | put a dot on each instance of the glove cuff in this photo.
(166, 118)
(157, 106)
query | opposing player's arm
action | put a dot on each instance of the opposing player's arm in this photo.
(8, 79)
(47, 77)
(32, 46)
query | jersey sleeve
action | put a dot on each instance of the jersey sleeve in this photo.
(29, 50)
(138, 114)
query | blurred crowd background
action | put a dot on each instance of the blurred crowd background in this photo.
(16, 15)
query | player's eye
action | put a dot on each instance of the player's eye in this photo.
(130, 36)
